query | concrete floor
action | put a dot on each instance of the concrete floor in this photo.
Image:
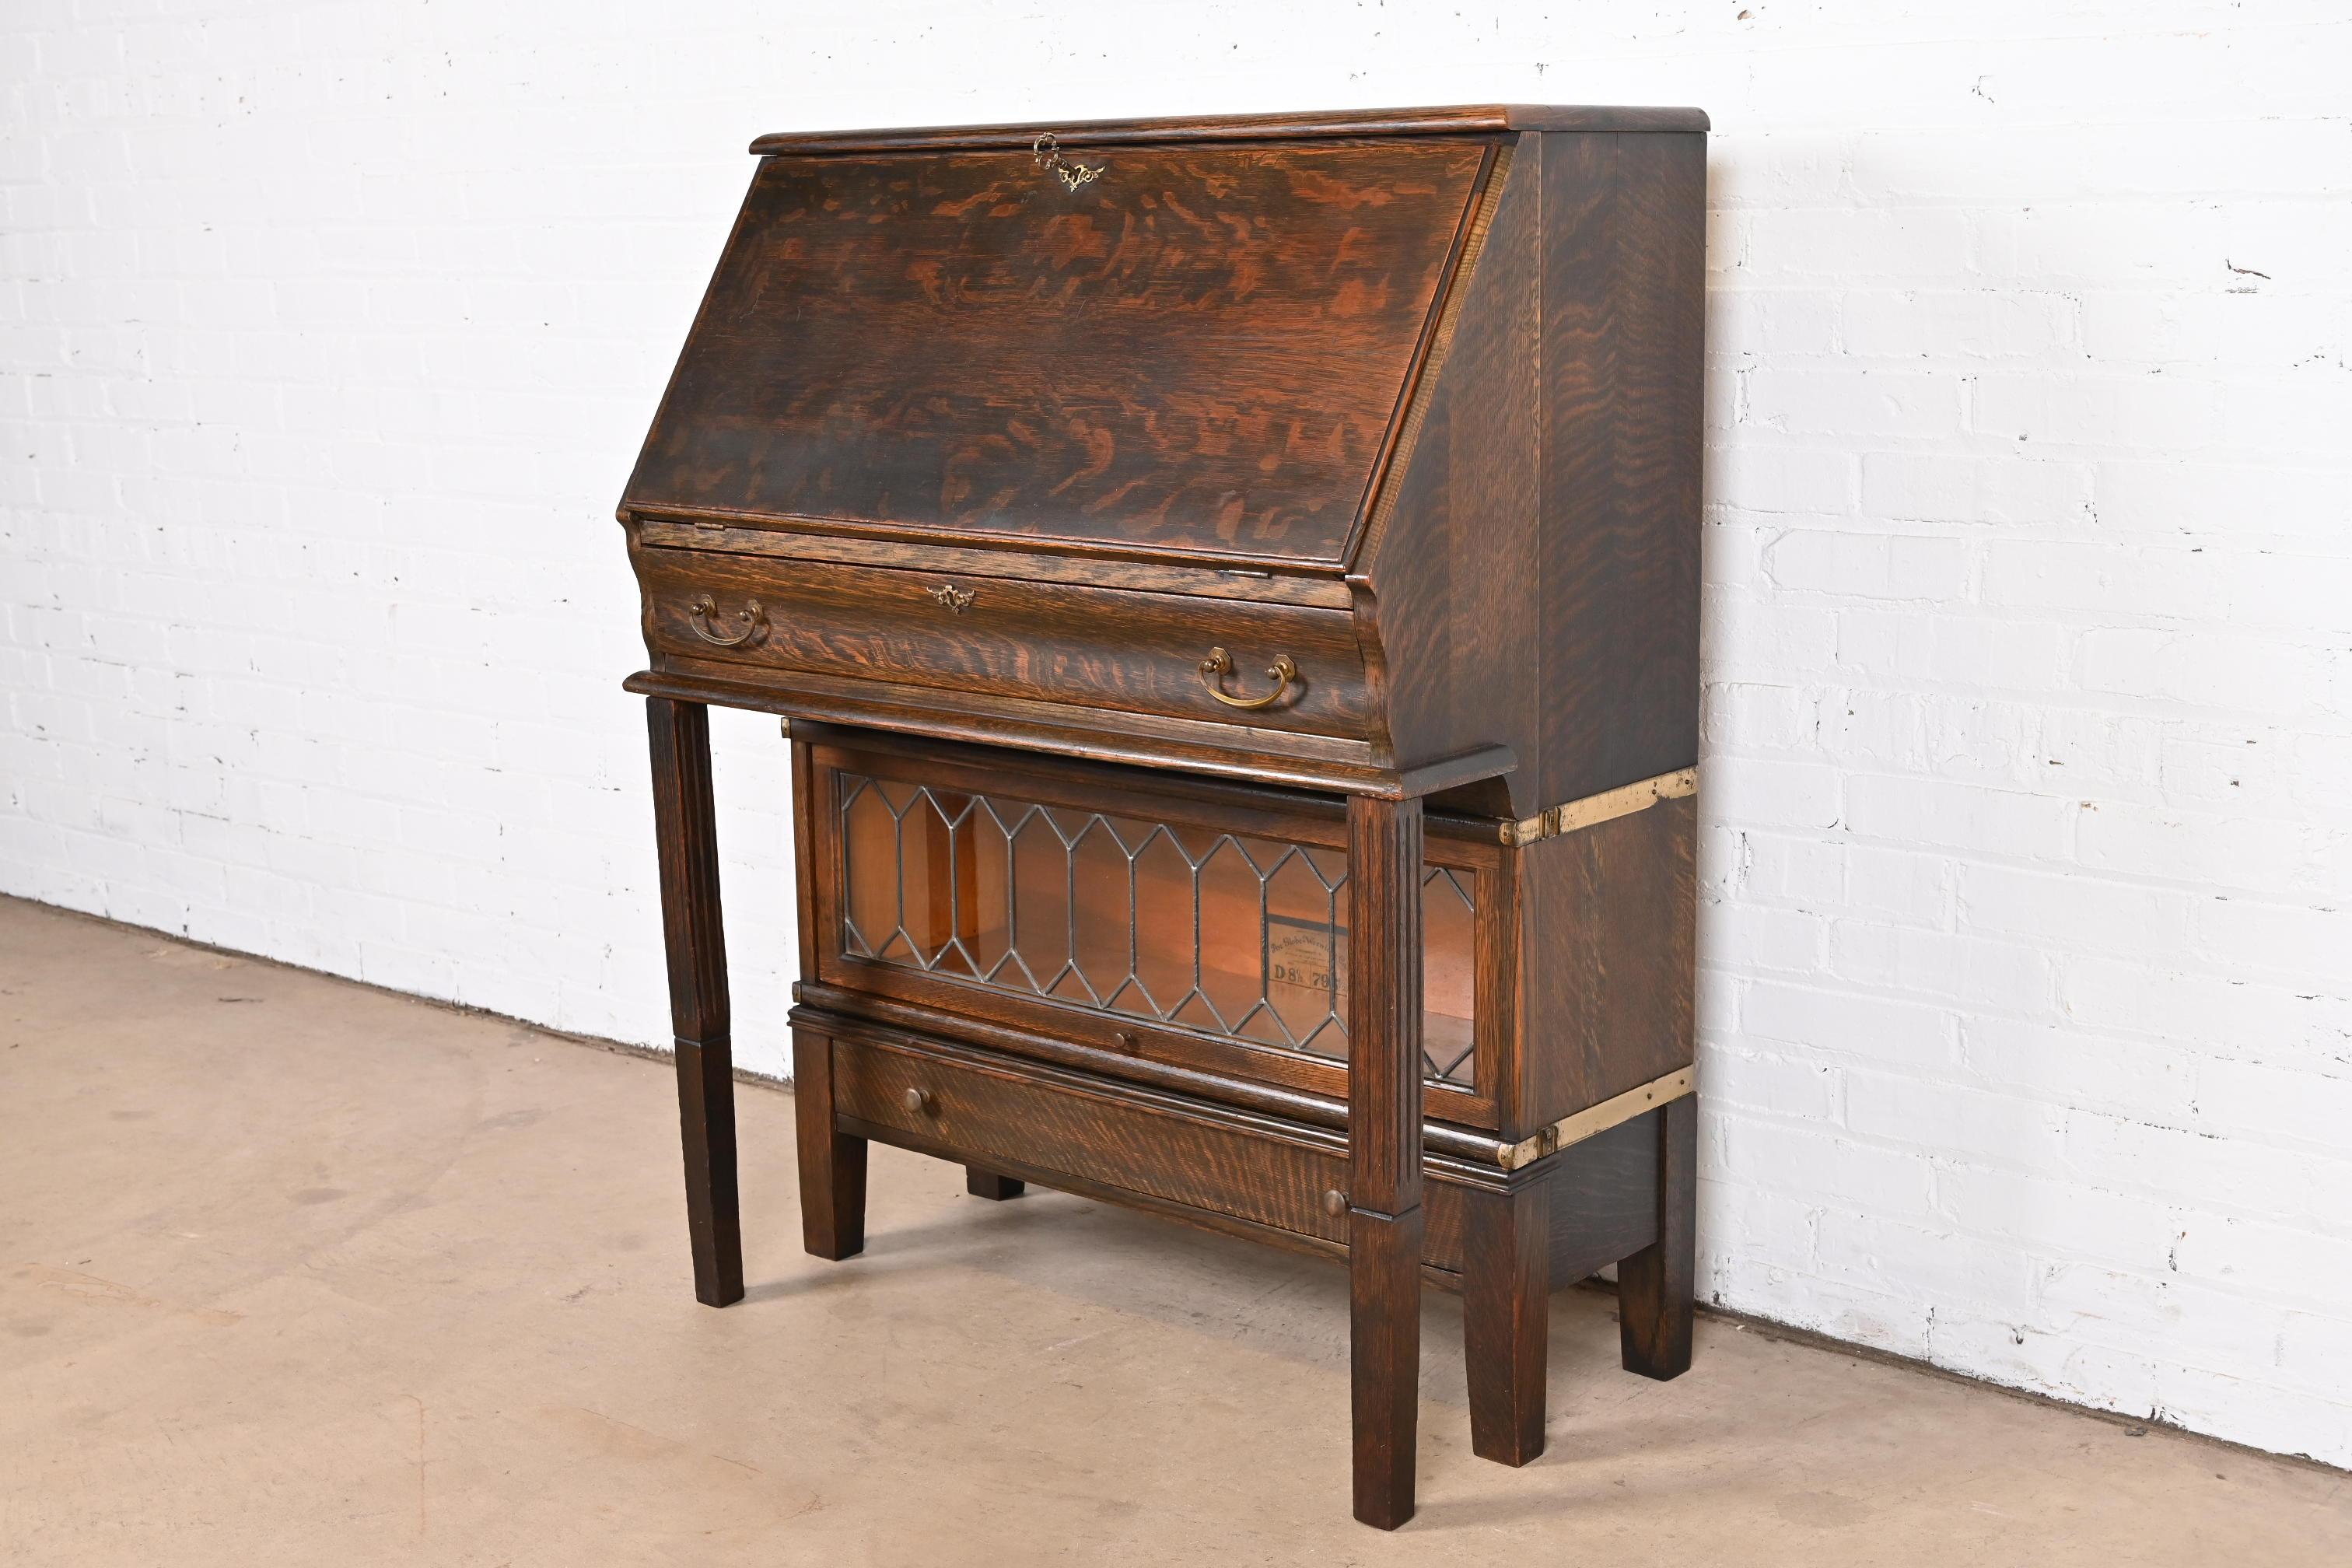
(296, 1273)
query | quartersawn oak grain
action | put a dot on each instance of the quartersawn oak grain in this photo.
(1203, 350)
(1408, 398)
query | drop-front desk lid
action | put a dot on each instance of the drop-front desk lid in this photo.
(1184, 339)
(1144, 352)
(1199, 350)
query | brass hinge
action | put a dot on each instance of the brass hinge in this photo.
(1622, 801)
(1600, 1118)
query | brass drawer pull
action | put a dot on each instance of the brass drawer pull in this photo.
(918, 1102)
(1220, 664)
(705, 610)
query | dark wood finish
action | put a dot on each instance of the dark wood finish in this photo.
(1624, 307)
(964, 562)
(1505, 1321)
(805, 863)
(1307, 761)
(1384, 1154)
(1505, 511)
(988, 1184)
(991, 1113)
(1385, 1360)
(1306, 1110)
(832, 1162)
(1605, 1201)
(1411, 397)
(1417, 121)
(1444, 572)
(975, 351)
(1096, 647)
(1614, 909)
(1014, 1112)
(686, 839)
(1655, 1287)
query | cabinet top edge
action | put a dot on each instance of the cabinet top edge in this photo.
(1465, 120)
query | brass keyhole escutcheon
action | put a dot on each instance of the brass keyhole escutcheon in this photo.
(1048, 150)
(1220, 664)
(950, 596)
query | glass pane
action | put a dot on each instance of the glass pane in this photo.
(1104, 930)
(1238, 937)
(1041, 902)
(1229, 957)
(870, 844)
(1449, 972)
(1164, 911)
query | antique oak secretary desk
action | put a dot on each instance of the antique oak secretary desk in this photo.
(1233, 590)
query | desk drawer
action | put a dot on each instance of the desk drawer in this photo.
(1028, 1120)
(1058, 642)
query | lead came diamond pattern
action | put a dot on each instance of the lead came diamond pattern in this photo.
(1219, 933)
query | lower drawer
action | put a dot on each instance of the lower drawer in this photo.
(1043, 1123)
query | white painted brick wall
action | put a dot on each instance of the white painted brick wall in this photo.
(328, 333)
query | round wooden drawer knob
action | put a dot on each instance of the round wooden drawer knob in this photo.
(1335, 1203)
(918, 1102)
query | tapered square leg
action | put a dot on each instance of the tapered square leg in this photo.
(1654, 1287)
(1384, 1222)
(686, 837)
(988, 1184)
(1507, 1319)
(833, 1162)
(1385, 1360)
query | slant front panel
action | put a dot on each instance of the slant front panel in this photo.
(1199, 349)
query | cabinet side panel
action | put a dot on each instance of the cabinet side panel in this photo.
(1607, 949)
(1452, 571)
(1623, 314)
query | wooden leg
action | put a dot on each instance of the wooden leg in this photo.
(687, 838)
(988, 1184)
(833, 1163)
(1384, 1227)
(1505, 1318)
(1654, 1294)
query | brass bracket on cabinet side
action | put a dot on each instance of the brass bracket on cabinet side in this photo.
(1622, 801)
(1598, 1117)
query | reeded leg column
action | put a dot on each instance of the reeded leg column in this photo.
(685, 835)
(1654, 1287)
(1506, 1318)
(833, 1162)
(1384, 1220)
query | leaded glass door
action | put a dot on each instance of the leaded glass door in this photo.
(1202, 924)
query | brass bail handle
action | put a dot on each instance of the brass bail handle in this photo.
(705, 610)
(1048, 150)
(1220, 664)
